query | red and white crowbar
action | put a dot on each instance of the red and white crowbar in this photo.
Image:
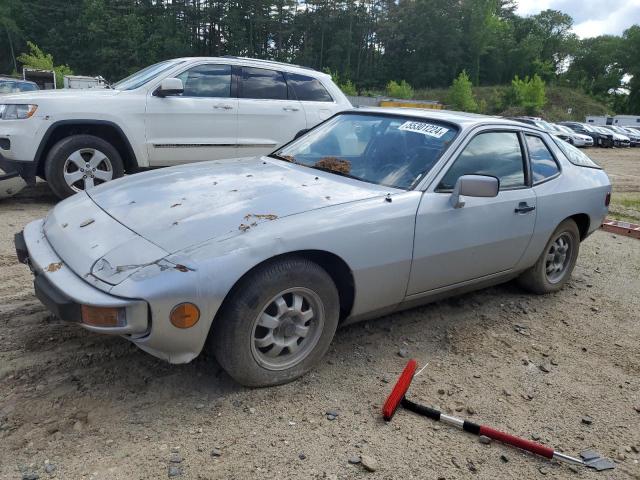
(398, 397)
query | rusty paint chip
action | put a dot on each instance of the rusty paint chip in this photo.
(243, 227)
(87, 222)
(54, 267)
(261, 216)
(182, 268)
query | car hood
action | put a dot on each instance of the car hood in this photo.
(178, 207)
(36, 95)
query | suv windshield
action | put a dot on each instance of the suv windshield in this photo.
(145, 75)
(14, 86)
(390, 150)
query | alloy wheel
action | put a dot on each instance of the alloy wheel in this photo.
(86, 168)
(558, 258)
(287, 329)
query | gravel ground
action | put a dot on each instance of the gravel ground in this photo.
(562, 368)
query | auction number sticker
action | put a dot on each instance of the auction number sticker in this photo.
(424, 128)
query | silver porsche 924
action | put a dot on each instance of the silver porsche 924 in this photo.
(373, 211)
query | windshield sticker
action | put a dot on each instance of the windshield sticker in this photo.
(425, 128)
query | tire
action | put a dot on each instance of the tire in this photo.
(538, 279)
(245, 349)
(99, 159)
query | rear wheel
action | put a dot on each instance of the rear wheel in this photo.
(277, 324)
(553, 269)
(80, 162)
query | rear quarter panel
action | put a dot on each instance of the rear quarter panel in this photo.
(577, 190)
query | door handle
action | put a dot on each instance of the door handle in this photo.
(290, 109)
(523, 207)
(222, 107)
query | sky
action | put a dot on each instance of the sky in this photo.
(591, 17)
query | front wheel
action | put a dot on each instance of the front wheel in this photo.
(554, 266)
(80, 162)
(277, 324)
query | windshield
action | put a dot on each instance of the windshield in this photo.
(394, 151)
(546, 126)
(145, 75)
(15, 86)
(564, 129)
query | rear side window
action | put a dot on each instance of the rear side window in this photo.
(263, 84)
(308, 89)
(543, 165)
(207, 81)
(497, 154)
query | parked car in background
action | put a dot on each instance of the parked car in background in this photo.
(16, 85)
(599, 139)
(575, 139)
(373, 211)
(634, 136)
(177, 111)
(549, 127)
(619, 140)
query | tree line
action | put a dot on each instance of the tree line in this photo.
(365, 43)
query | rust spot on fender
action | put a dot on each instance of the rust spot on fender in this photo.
(182, 268)
(54, 267)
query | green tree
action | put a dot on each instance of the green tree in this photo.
(39, 60)
(460, 95)
(529, 93)
(399, 90)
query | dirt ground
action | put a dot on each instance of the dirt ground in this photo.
(562, 368)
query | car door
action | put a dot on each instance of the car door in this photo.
(267, 117)
(317, 102)
(487, 235)
(200, 124)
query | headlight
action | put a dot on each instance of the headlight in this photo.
(17, 112)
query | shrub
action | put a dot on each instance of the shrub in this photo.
(348, 88)
(399, 90)
(38, 60)
(460, 96)
(528, 93)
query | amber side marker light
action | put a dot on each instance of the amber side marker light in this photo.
(184, 315)
(103, 316)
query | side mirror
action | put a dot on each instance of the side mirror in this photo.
(169, 86)
(474, 186)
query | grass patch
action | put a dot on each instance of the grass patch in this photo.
(625, 207)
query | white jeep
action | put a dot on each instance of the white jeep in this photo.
(176, 111)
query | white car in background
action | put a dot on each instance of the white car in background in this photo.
(576, 139)
(177, 111)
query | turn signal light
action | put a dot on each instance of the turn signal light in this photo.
(185, 315)
(103, 316)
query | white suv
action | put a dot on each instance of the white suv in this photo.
(177, 111)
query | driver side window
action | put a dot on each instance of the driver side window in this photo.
(497, 154)
(207, 81)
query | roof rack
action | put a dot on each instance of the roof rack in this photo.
(273, 62)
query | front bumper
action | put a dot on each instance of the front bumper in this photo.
(63, 292)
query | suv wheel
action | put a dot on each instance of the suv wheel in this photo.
(277, 324)
(80, 162)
